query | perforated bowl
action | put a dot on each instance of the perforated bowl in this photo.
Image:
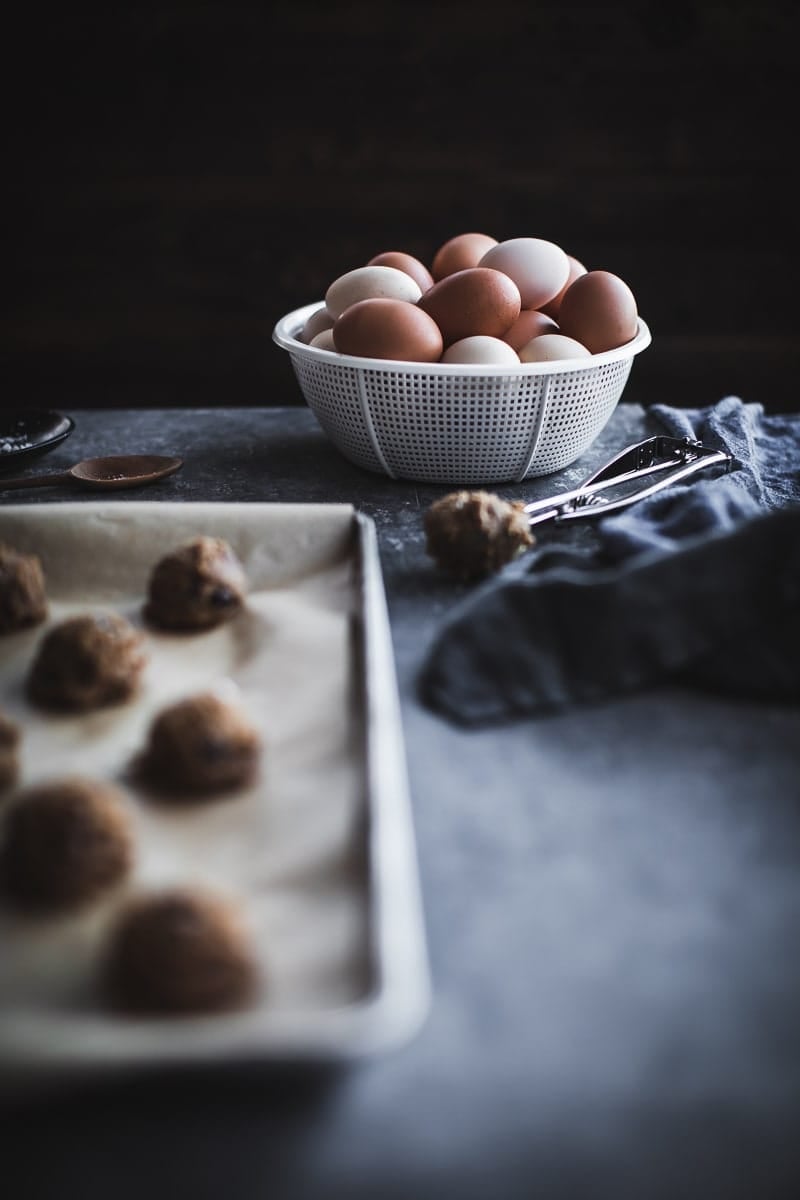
(457, 424)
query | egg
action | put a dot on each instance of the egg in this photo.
(319, 320)
(480, 349)
(529, 324)
(599, 310)
(552, 347)
(380, 327)
(460, 252)
(538, 268)
(404, 262)
(323, 340)
(368, 283)
(576, 268)
(474, 301)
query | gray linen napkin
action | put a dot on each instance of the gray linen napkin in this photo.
(700, 583)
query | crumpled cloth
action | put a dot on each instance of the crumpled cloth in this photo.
(698, 584)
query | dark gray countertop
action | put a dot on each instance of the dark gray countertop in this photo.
(612, 900)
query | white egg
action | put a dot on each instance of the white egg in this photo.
(323, 340)
(552, 347)
(319, 320)
(480, 349)
(539, 268)
(367, 283)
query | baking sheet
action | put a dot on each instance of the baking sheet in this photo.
(319, 851)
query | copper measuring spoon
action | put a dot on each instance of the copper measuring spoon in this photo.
(113, 471)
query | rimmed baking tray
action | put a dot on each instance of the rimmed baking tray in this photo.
(320, 851)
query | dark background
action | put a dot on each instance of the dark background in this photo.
(182, 175)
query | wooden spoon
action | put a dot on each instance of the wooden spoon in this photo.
(114, 471)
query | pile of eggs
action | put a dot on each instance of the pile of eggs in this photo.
(523, 300)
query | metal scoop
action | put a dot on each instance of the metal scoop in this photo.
(471, 534)
(113, 471)
(678, 458)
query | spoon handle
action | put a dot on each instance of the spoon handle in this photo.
(24, 481)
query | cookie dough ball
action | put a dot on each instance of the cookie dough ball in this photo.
(9, 744)
(23, 601)
(87, 662)
(64, 843)
(182, 950)
(471, 534)
(197, 586)
(203, 745)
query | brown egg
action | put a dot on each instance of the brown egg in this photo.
(576, 268)
(383, 328)
(464, 250)
(404, 262)
(529, 324)
(477, 300)
(599, 311)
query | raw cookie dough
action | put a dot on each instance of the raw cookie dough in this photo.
(201, 744)
(64, 843)
(197, 586)
(9, 743)
(87, 662)
(182, 950)
(470, 534)
(23, 601)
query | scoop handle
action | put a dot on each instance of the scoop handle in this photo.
(23, 481)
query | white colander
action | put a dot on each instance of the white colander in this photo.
(457, 424)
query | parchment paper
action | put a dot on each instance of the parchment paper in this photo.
(291, 848)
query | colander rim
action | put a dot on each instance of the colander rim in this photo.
(285, 331)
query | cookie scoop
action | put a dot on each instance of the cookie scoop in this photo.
(470, 534)
(23, 601)
(197, 586)
(64, 843)
(87, 662)
(201, 745)
(179, 951)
